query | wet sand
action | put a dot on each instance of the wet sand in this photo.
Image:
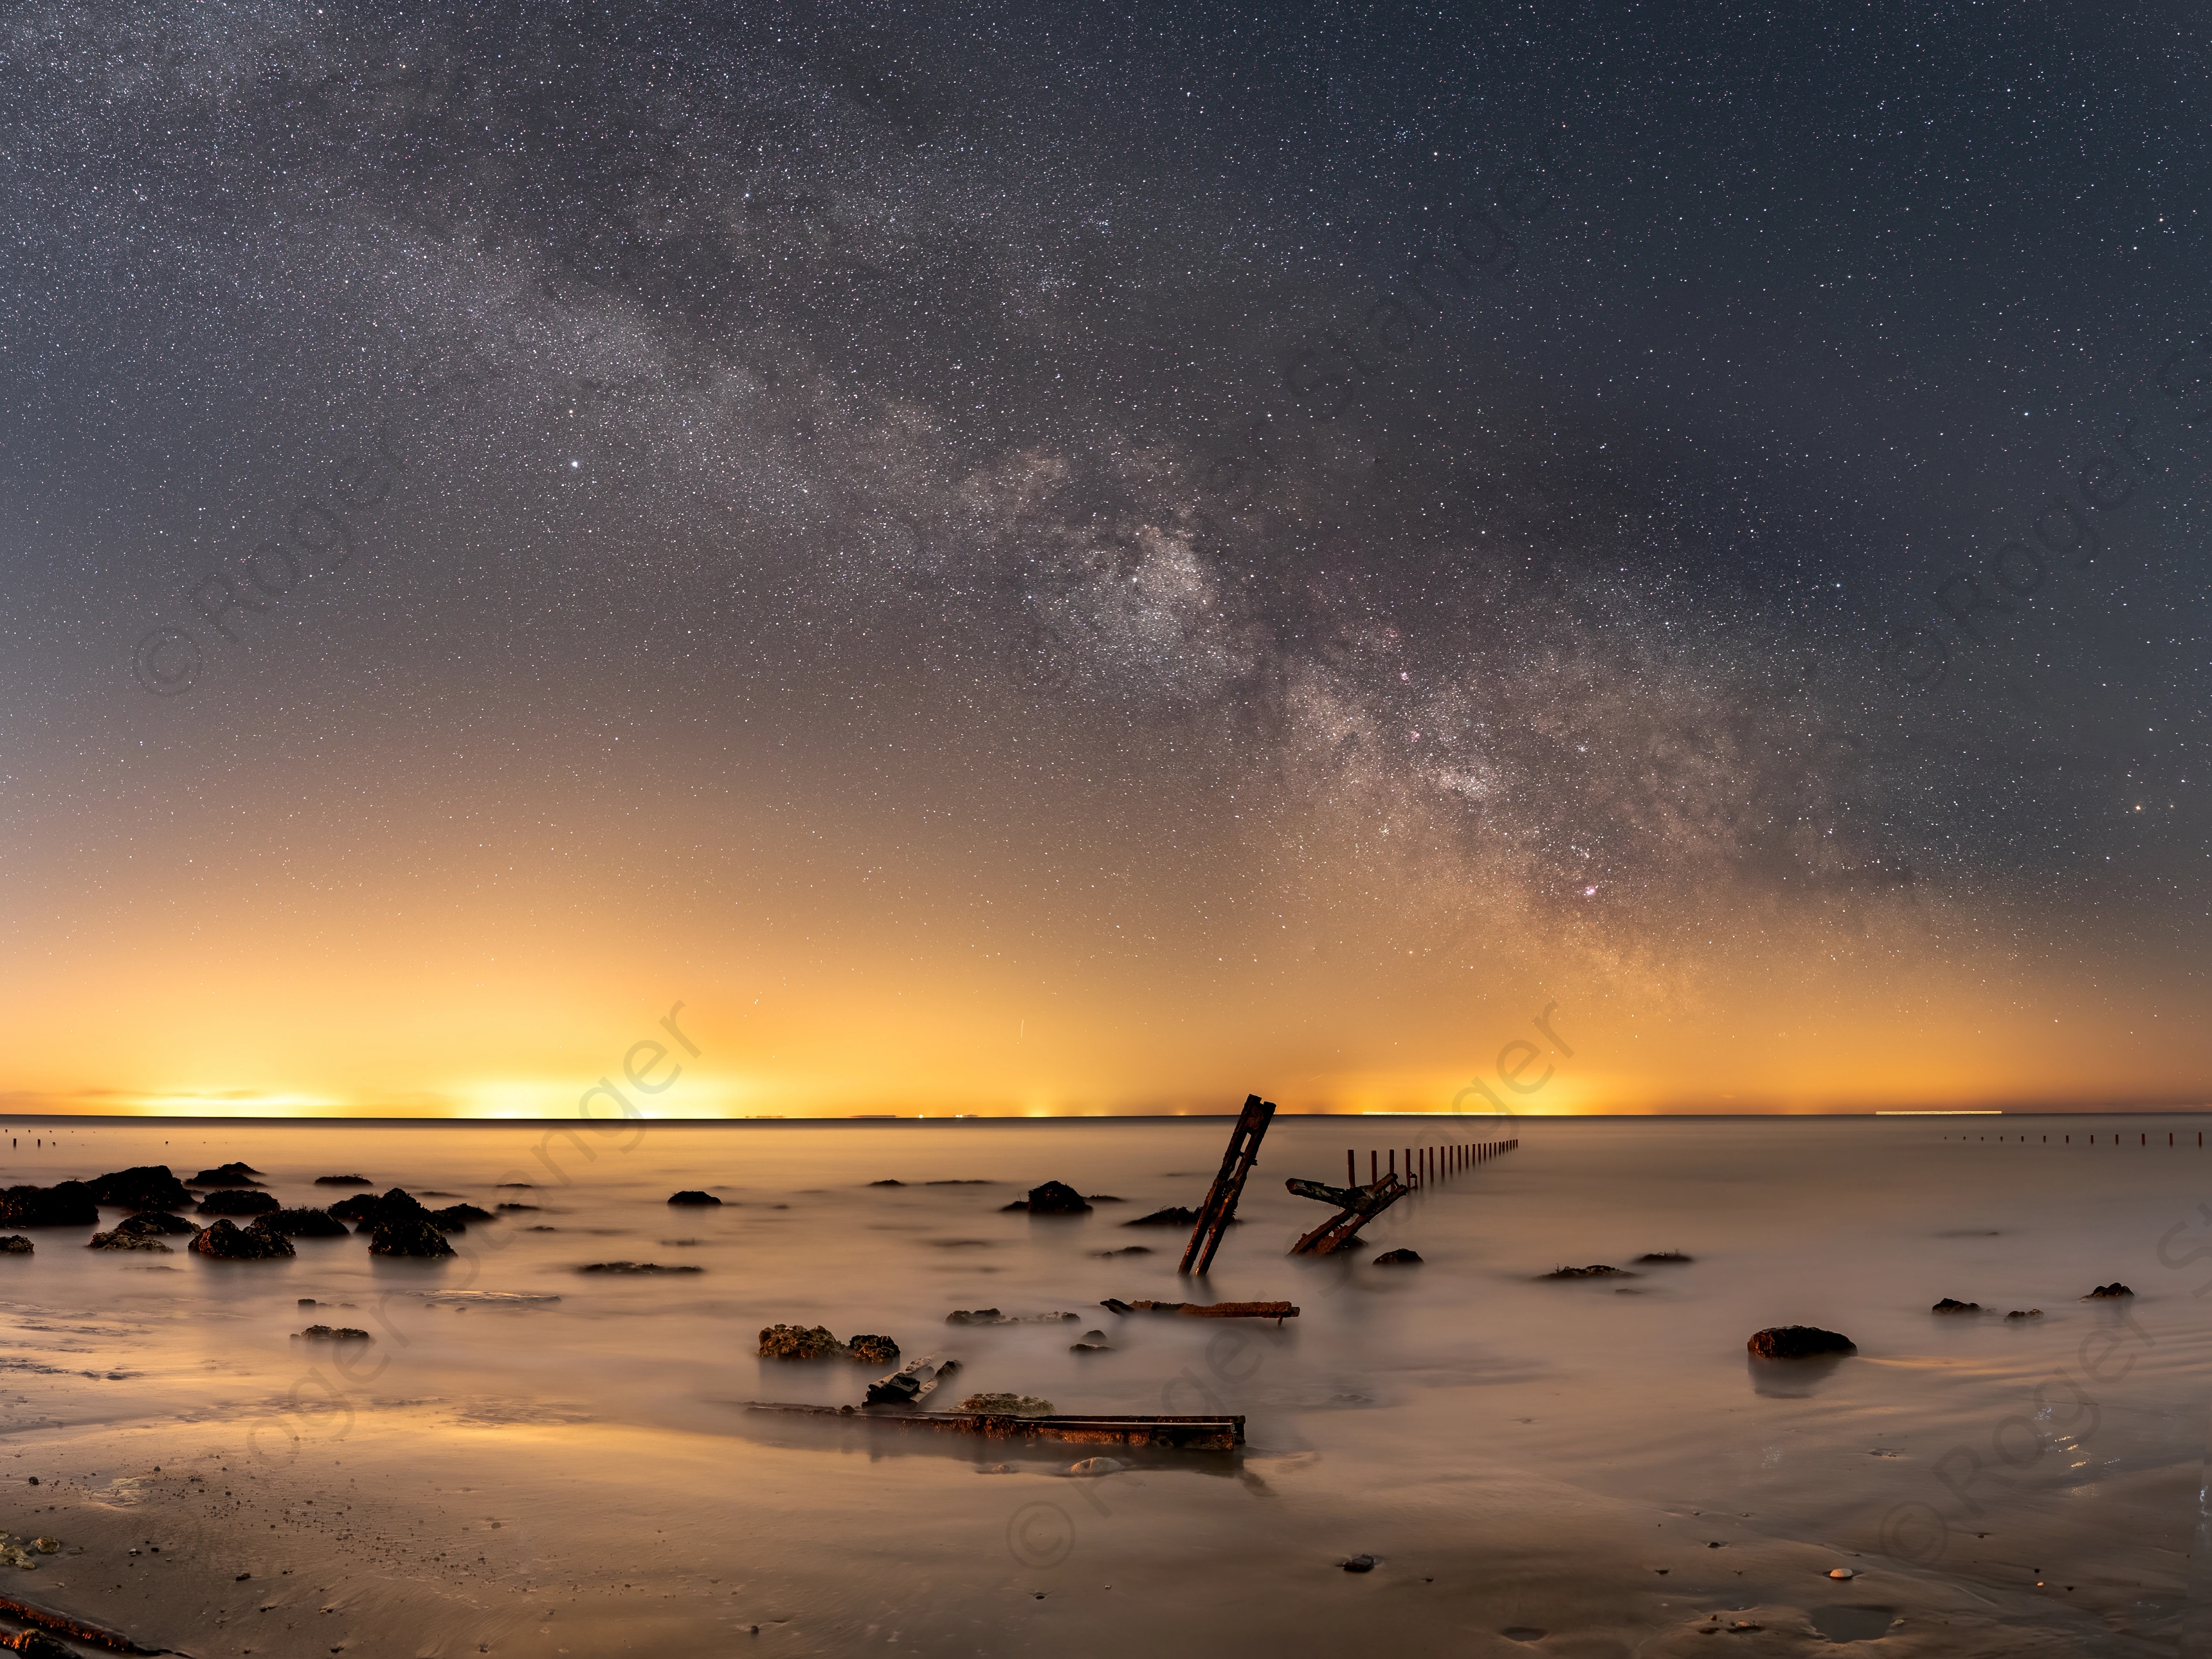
(495, 1474)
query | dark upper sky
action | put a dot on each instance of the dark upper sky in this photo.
(1035, 558)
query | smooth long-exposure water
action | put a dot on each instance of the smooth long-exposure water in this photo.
(528, 1459)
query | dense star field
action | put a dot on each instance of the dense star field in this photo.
(1030, 558)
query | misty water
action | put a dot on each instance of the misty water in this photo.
(531, 1459)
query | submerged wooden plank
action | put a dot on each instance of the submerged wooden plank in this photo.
(1275, 1311)
(1201, 1433)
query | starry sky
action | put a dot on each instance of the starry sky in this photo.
(1034, 559)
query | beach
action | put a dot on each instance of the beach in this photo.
(525, 1458)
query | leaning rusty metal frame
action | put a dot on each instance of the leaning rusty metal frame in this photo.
(1220, 1206)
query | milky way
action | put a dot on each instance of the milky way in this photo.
(1568, 499)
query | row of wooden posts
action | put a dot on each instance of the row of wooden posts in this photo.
(1426, 1165)
(2142, 1139)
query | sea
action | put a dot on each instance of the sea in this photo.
(1460, 1456)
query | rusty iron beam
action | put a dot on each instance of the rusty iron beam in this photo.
(1220, 1206)
(1180, 1433)
(92, 1635)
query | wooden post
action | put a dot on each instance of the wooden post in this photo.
(1351, 1170)
(1221, 1205)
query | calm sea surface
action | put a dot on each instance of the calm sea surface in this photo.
(532, 1461)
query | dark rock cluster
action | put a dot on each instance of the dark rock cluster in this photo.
(238, 1202)
(148, 1187)
(65, 1204)
(305, 1224)
(227, 1175)
(1053, 1198)
(227, 1241)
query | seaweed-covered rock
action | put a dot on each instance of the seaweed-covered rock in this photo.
(229, 1242)
(634, 1268)
(695, 1198)
(874, 1349)
(37, 1644)
(1949, 1306)
(2025, 1313)
(234, 1202)
(2107, 1292)
(146, 1187)
(976, 1317)
(1664, 1258)
(1007, 1405)
(304, 1224)
(155, 1224)
(407, 1235)
(343, 1181)
(887, 1184)
(800, 1342)
(1399, 1259)
(1595, 1270)
(64, 1204)
(334, 1334)
(463, 1214)
(1171, 1217)
(1053, 1198)
(227, 1175)
(15, 1244)
(1799, 1342)
(120, 1240)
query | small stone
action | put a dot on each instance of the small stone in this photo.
(1399, 1259)
(2025, 1313)
(698, 1199)
(1360, 1563)
(1097, 1466)
(1799, 1342)
(1842, 1572)
(2107, 1292)
(1948, 1306)
(15, 1244)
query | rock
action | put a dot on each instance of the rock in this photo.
(1089, 1348)
(65, 1204)
(1596, 1270)
(455, 1217)
(337, 1333)
(230, 1201)
(1104, 1198)
(1655, 1257)
(343, 1181)
(155, 1222)
(706, 1199)
(1843, 1572)
(37, 1644)
(1359, 1563)
(2102, 1294)
(1126, 1249)
(798, 1342)
(1053, 1198)
(1947, 1306)
(147, 1187)
(874, 1349)
(1799, 1342)
(1097, 1466)
(1399, 1259)
(227, 1241)
(634, 1268)
(15, 1244)
(2025, 1313)
(532, 1208)
(1007, 1405)
(887, 1184)
(1168, 1217)
(304, 1224)
(369, 1210)
(1094, 1336)
(120, 1240)
(976, 1317)
(406, 1235)
(227, 1175)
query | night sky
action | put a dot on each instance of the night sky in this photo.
(1035, 558)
